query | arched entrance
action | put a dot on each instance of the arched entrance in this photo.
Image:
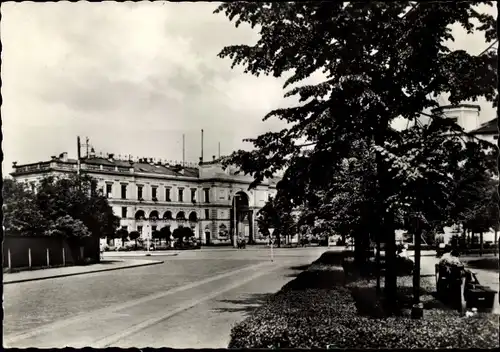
(241, 218)
(140, 215)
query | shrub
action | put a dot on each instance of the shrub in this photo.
(317, 311)
(321, 318)
(334, 257)
(317, 276)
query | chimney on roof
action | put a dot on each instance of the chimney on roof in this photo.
(92, 152)
(14, 164)
(63, 156)
(53, 157)
(110, 157)
(213, 157)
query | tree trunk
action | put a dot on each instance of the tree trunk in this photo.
(416, 273)
(360, 249)
(481, 243)
(391, 285)
(495, 242)
(378, 269)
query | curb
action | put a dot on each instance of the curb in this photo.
(83, 273)
(141, 254)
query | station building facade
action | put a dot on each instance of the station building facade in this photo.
(149, 195)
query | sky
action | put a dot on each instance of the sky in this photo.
(135, 77)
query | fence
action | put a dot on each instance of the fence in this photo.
(35, 252)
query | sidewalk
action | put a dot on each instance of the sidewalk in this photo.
(105, 265)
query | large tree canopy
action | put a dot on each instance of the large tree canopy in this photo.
(58, 206)
(380, 61)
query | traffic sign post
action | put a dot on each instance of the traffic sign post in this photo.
(271, 230)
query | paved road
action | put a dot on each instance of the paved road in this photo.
(191, 300)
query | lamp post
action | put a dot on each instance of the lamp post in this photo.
(271, 230)
(148, 234)
(417, 309)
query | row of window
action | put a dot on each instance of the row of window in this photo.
(154, 193)
(125, 213)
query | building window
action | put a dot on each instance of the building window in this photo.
(124, 212)
(125, 227)
(139, 229)
(139, 192)
(207, 195)
(109, 190)
(153, 228)
(124, 191)
(207, 214)
(93, 187)
(495, 138)
(154, 193)
(181, 195)
(167, 194)
(193, 195)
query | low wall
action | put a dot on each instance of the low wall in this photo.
(60, 251)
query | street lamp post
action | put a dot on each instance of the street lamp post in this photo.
(271, 230)
(417, 310)
(148, 234)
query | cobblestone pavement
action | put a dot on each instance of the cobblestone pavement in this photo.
(109, 308)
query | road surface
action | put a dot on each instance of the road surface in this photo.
(189, 301)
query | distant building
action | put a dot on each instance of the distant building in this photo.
(149, 195)
(488, 131)
(467, 117)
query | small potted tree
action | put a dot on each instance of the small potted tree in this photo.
(134, 236)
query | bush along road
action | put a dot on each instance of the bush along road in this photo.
(324, 308)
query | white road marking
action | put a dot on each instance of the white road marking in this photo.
(10, 340)
(107, 341)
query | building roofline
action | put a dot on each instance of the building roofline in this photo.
(443, 107)
(488, 127)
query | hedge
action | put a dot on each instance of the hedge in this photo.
(321, 309)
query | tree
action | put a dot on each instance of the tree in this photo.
(380, 61)
(277, 214)
(66, 226)
(475, 199)
(73, 196)
(134, 236)
(182, 233)
(178, 234)
(122, 234)
(166, 233)
(21, 213)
